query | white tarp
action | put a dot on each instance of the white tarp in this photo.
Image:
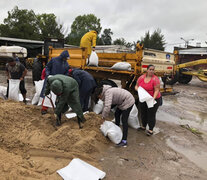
(144, 96)
(80, 170)
(72, 115)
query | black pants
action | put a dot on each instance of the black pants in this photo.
(148, 115)
(21, 88)
(124, 119)
(84, 99)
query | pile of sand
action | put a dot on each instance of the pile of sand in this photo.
(31, 146)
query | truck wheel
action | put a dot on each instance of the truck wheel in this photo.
(184, 78)
(170, 80)
(108, 82)
(36, 70)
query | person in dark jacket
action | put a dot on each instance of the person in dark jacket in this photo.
(66, 89)
(86, 84)
(57, 65)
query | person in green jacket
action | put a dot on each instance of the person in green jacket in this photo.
(67, 91)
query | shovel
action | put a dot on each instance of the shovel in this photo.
(58, 120)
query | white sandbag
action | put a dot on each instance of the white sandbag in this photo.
(93, 60)
(98, 108)
(144, 96)
(113, 131)
(14, 89)
(38, 88)
(80, 170)
(122, 66)
(47, 102)
(21, 98)
(3, 90)
(133, 120)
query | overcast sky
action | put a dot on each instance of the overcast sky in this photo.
(129, 19)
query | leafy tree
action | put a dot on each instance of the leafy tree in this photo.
(154, 41)
(106, 36)
(80, 26)
(120, 41)
(49, 27)
(20, 24)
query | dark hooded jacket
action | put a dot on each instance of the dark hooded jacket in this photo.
(68, 94)
(85, 80)
(58, 65)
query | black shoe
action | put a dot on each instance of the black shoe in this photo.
(122, 144)
(149, 133)
(43, 112)
(25, 101)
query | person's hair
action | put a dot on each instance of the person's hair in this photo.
(11, 59)
(97, 93)
(150, 65)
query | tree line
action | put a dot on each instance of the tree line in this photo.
(25, 24)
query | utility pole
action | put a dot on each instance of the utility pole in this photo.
(186, 41)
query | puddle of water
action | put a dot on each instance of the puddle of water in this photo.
(198, 119)
(199, 158)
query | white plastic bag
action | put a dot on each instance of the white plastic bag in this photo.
(98, 108)
(93, 60)
(113, 131)
(122, 66)
(80, 170)
(47, 102)
(38, 88)
(14, 89)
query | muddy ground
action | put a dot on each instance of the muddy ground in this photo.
(32, 147)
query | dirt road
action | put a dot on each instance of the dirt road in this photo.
(32, 147)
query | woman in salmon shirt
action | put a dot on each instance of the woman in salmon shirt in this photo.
(151, 84)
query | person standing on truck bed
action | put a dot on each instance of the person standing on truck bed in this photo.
(124, 101)
(151, 84)
(57, 65)
(89, 40)
(86, 84)
(16, 70)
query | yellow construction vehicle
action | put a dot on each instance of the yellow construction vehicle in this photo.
(183, 73)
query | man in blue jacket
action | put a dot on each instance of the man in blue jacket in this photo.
(57, 65)
(86, 84)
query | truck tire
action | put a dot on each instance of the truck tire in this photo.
(184, 78)
(170, 80)
(36, 70)
(108, 82)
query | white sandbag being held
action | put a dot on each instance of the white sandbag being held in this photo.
(98, 108)
(14, 89)
(38, 88)
(93, 59)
